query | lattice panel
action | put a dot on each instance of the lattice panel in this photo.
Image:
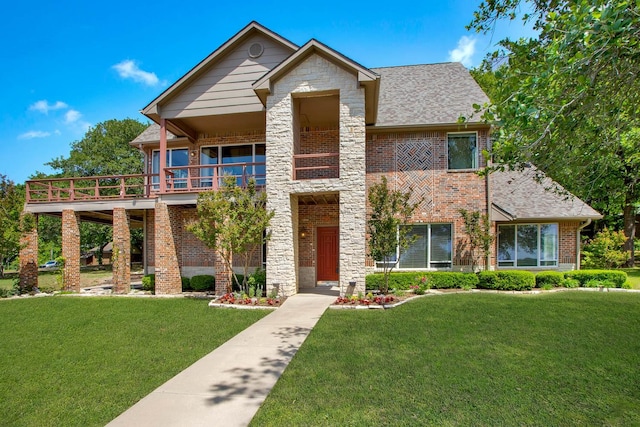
(415, 170)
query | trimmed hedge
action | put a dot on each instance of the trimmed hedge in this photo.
(186, 284)
(595, 278)
(434, 279)
(203, 282)
(552, 278)
(509, 280)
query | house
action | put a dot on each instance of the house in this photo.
(316, 129)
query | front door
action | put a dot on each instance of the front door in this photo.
(327, 254)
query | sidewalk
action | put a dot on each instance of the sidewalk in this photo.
(227, 386)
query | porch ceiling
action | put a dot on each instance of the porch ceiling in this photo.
(319, 199)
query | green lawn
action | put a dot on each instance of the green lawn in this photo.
(68, 361)
(634, 276)
(48, 279)
(570, 358)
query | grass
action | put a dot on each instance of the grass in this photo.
(568, 358)
(48, 279)
(634, 276)
(83, 361)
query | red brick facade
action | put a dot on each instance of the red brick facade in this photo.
(167, 227)
(71, 250)
(121, 256)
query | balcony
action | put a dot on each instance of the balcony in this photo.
(184, 179)
(316, 166)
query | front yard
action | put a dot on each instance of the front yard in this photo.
(72, 361)
(570, 358)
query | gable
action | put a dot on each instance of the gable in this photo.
(225, 88)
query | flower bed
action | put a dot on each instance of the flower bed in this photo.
(372, 301)
(244, 301)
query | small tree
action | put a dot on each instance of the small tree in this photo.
(605, 250)
(387, 226)
(478, 228)
(233, 221)
(11, 202)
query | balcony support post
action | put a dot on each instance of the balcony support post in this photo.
(163, 156)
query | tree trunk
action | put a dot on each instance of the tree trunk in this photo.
(629, 232)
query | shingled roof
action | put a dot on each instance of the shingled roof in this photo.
(430, 94)
(518, 196)
(151, 134)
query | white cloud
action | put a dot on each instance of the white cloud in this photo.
(72, 116)
(44, 107)
(34, 134)
(128, 69)
(465, 50)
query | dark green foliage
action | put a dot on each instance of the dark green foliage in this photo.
(186, 284)
(149, 282)
(616, 277)
(510, 280)
(258, 280)
(236, 286)
(203, 282)
(434, 279)
(553, 278)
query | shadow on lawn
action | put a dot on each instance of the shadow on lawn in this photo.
(255, 382)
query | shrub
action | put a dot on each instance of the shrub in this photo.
(203, 282)
(149, 282)
(510, 280)
(570, 283)
(258, 280)
(605, 250)
(186, 284)
(426, 280)
(552, 278)
(627, 285)
(616, 277)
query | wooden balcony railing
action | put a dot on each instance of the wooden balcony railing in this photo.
(182, 179)
(316, 166)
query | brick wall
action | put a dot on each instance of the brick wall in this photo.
(318, 141)
(71, 249)
(121, 256)
(418, 161)
(167, 267)
(567, 241)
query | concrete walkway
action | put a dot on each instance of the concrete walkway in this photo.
(227, 386)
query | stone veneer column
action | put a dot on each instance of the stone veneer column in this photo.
(121, 258)
(167, 268)
(71, 250)
(29, 256)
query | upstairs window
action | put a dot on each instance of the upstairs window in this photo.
(462, 149)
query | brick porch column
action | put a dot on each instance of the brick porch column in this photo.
(121, 258)
(222, 274)
(29, 256)
(167, 268)
(71, 250)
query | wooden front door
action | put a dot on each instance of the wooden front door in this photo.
(327, 254)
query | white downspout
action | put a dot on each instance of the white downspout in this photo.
(578, 242)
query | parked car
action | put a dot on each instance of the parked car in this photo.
(50, 264)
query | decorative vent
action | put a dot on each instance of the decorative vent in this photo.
(255, 50)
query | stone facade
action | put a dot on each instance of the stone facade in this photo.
(71, 250)
(121, 257)
(315, 74)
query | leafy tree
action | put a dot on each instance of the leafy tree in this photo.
(11, 202)
(478, 228)
(103, 151)
(569, 100)
(605, 250)
(387, 227)
(233, 221)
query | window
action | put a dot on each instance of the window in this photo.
(431, 249)
(175, 157)
(528, 245)
(462, 149)
(232, 154)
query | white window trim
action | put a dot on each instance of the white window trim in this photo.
(429, 261)
(539, 260)
(446, 148)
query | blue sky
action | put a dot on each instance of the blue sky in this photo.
(68, 65)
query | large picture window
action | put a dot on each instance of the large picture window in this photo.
(528, 245)
(462, 151)
(175, 157)
(432, 248)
